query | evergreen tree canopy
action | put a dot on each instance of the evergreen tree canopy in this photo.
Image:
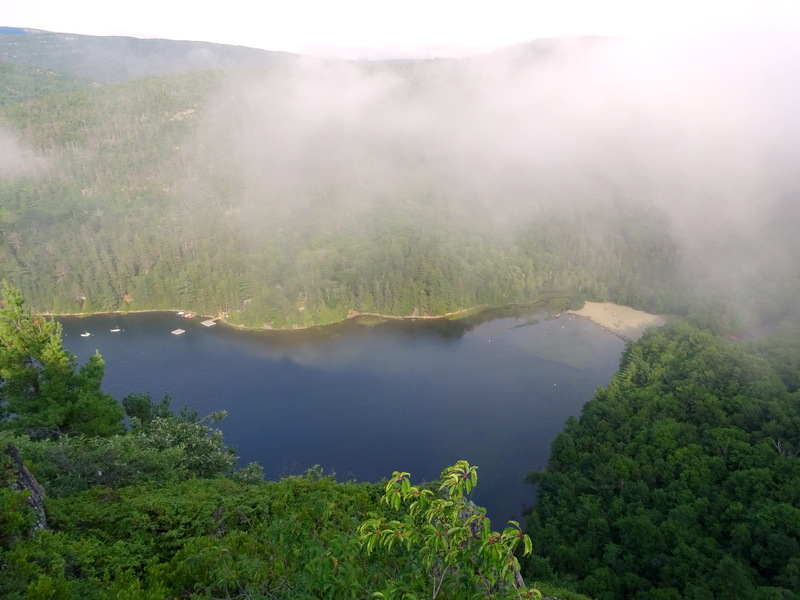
(43, 391)
(680, 479)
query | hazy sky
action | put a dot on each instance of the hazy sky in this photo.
(378, 29)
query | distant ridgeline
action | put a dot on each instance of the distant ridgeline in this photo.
(149, 174)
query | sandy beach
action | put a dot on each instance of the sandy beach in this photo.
(626, 322)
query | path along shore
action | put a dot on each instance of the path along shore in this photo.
(624, 321)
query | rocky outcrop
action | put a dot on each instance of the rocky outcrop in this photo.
(22, 479)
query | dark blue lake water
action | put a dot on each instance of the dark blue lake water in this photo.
(364, 401)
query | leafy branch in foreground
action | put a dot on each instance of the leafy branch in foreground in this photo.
(449, 538)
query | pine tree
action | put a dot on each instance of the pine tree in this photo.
(43, 392)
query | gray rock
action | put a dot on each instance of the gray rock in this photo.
(24, 480)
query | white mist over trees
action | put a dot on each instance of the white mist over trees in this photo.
(295, 191)
(704, 131)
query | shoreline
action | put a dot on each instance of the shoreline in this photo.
(543, 304)
(351, 316)
(623, 321)
(480, 311)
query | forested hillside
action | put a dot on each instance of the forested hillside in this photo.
(681, 479)
(280, 192)
(114, 59)
(284, 192)
(210, 191)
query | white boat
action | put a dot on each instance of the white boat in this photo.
(85, 334)
(115, 330)
(178, 331)
(180, 313)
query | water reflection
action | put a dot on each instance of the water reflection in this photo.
(364, 401)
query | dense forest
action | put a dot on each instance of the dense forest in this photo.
(681, 478)
(282, 192)
(207, 190)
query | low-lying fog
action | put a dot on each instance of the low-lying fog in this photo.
(705, 130)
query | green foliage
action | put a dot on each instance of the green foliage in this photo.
(163, 451)
(448, 538)
(69, 465)
(679, 479)
(301, 537)
(143, 208)
(26, 82)
(16, 517)
(142, 408)
(204, 451)
(40, 391)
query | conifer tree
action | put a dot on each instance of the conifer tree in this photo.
(43, 391)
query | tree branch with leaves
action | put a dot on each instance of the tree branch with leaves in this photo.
(447, 537)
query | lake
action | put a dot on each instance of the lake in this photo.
(363, 401)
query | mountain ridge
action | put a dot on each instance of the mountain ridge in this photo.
(117, 59)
